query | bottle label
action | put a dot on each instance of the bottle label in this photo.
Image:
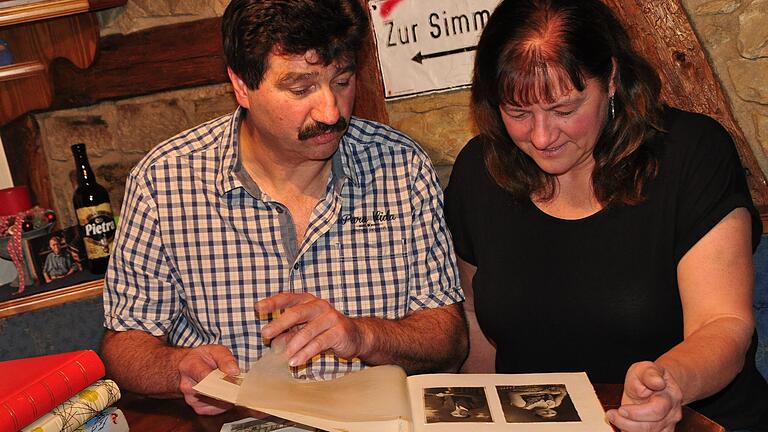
(99, 227)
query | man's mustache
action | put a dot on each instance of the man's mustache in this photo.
(319, 128)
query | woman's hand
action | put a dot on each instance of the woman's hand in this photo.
(652, 400)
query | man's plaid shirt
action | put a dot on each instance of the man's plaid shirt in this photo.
(199, 244)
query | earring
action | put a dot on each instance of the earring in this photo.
(612, 107)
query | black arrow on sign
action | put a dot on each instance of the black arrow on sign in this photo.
(419, 57)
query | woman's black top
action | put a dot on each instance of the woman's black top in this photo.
(600, 293)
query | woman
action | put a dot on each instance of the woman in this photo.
(600, 230)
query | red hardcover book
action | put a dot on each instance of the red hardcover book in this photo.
(31, 387)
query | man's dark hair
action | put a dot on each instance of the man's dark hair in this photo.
(532, 48)
(253, 29)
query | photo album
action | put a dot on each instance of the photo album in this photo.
(384, 399)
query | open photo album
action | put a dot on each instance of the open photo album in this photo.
(384, 399)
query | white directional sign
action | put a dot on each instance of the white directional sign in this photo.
(427, 45)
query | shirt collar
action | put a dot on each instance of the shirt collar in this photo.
(232, 174)
(229, 156)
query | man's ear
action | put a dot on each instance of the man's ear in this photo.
(240, 89)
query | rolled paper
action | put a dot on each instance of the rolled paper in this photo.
(14, 200)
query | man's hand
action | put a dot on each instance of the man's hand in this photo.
(196, 364)
(312, 326)
(652, 400)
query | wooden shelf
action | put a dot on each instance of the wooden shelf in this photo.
(23, 11)
(21, 70)
(51, 298)
(38, 32)
(26, 85)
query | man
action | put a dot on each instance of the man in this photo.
(59, 263)
(289, 205)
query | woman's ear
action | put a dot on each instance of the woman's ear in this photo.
(612, 80)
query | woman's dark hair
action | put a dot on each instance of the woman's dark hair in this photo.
(532, 50)
(253, 29)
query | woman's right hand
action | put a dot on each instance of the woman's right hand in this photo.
(652, 400)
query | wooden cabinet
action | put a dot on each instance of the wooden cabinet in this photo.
(38, 32)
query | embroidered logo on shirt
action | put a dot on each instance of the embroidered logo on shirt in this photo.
(366, 222)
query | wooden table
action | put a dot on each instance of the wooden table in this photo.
(610, 397)
(174, 415)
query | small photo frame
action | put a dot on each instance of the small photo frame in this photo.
(58, 257)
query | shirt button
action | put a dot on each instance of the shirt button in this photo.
(296, 266)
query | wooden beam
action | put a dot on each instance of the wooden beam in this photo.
(662, 32)
(159, 59)
(370, 85)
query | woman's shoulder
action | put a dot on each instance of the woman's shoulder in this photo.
(687, 124)
(469, 160)
(469, 175)
(472, 152)
(686, 132)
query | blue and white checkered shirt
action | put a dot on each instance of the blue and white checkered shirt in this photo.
(199, 244)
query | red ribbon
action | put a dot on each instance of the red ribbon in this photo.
(14, 244)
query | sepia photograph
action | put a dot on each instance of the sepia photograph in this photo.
(537, 403)
(456, 405)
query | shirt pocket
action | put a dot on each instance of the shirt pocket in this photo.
(372, 279)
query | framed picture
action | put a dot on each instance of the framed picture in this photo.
(56, 271)
(57, 256)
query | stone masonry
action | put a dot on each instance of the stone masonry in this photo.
(735, 35)
(118, 134)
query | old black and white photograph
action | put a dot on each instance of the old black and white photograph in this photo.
(456, 404)
(537, 403)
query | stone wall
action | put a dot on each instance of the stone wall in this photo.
(117, 134)
(440, 122)
(143, 14)
(734, 33)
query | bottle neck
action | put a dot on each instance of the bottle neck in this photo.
(85, 176)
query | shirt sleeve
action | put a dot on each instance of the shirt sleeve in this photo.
(48, 266)
(433, 274)
(712, 182)
(139, 288)
(458, 199)
(70, 262)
